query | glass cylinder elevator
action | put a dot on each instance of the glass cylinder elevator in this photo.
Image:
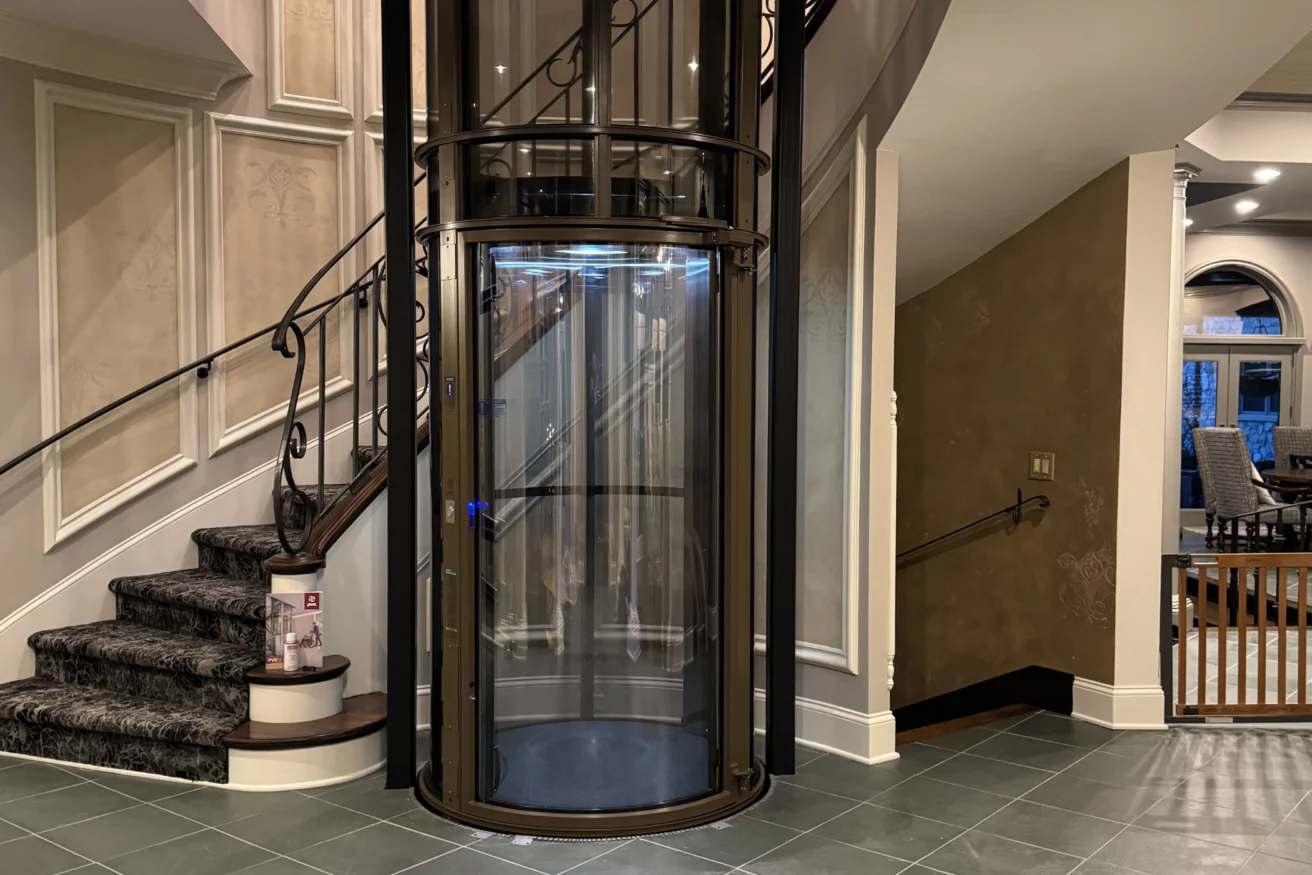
(592, 176)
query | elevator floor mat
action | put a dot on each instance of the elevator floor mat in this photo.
(600, 765)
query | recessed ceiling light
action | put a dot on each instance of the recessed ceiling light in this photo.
(1266, 174)
(1245, 207)
(1188, 222)
(524, 149)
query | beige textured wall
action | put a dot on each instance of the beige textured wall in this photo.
(1019, 351)
(822, 474)
(117, 295)
(280, 225)
(310, 35)
(29, 570)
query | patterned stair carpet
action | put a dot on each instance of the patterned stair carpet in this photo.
(159, 687)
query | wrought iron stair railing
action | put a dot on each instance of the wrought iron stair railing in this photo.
(304, 320)
(561, 68)
(365, 293)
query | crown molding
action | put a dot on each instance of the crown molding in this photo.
(98, 57)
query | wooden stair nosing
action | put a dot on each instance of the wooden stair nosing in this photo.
(361, 715)
(334, 666)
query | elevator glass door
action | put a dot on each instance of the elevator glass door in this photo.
(597, 518)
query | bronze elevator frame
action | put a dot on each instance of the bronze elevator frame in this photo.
(451, 238)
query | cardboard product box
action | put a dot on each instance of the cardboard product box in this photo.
(299, 612)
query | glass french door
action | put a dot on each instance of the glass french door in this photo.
(1245, 387)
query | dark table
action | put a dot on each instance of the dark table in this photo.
(1290, 476)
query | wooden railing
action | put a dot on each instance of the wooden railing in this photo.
(1247, 654)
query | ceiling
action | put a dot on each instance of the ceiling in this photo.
(1021, 102)
(167, 25)
(1291, 75)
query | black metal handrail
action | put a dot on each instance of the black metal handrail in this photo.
(1013, 510)
(201, 367)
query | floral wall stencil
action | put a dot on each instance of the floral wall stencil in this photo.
(280, 223)
(277, 191)
(317, 13)
(1089, 590)
(309, 51)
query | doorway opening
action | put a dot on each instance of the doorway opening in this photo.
(1240, 345)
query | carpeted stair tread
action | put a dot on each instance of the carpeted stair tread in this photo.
(68, 706)
(259, 541)
(330, 492)
(116, 641)
(197, 588)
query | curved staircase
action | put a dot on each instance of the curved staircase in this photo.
(165, 687)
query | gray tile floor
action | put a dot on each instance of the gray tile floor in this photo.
(1254, 654)
(1034, 795)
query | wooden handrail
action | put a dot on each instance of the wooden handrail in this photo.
(329, 528)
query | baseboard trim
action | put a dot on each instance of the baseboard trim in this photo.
(863, 738)
(1123, 707)
(1035, 686)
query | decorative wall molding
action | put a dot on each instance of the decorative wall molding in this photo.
(48, 95)
(865, 738)
(848, 168)
(223, 434)
(344, 24)
(98, 57)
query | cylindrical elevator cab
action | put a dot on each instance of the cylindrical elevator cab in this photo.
(592, 182)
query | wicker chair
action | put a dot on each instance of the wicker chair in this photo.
(1235, 493)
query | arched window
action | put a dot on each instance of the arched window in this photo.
(1230, 301)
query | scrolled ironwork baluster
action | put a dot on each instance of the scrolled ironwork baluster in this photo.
(323, 405)
(376, 285)
(357, 301)
(293, 446)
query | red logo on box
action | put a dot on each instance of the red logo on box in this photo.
(312, 601)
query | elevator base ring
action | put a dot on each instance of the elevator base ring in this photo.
(592, 825)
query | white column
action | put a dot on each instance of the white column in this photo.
(879, 628)
(1174, 364)
(892, 554)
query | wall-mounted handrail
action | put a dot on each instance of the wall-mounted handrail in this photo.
(1013, 510)
(200, 366)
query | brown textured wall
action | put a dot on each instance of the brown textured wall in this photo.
(1019, 351)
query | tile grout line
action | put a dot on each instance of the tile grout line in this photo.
(1009, 804)
(207, 827)
(623, 844)
(1283, 821)
(1170, 794)
(39, 837)
(742, 867)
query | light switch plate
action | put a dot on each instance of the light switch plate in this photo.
(1043, 466)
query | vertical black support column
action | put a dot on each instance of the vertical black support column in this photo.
(596, 94)
(398, 231)
(434, 308)
(785, 275)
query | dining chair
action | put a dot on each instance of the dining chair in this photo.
(1233, 487)
(1290, 442)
